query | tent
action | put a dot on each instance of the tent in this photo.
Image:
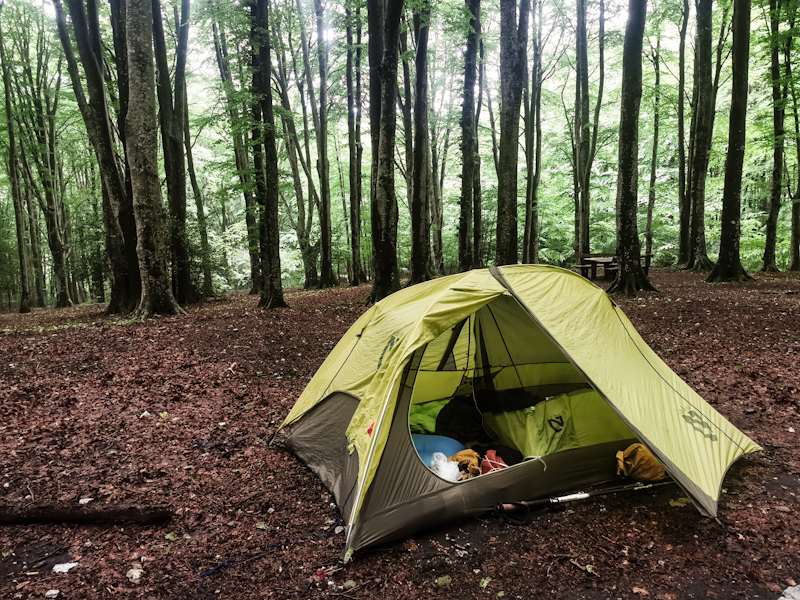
(555, 369)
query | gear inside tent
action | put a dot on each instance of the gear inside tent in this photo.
(533, 366)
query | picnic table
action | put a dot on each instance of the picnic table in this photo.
(588, 263)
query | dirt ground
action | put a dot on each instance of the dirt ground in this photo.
(178, 411)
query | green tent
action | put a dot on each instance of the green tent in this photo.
(556, 371)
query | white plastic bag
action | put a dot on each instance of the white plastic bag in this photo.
(444, 468)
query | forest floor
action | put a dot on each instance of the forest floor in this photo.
(179, 410)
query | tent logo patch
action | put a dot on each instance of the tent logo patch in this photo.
(556, 423)
(700, 424)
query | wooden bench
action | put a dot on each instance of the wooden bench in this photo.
(587, 264)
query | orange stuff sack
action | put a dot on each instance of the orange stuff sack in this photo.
(469, 463)
(637, 462)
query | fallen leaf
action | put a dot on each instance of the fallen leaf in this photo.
(641, 591)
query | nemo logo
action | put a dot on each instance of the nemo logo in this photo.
(700, 424)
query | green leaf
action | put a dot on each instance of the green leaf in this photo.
(349, 584)
(500, 594)
(443, 581)
(261, 525)
(484, 582)
(170, 536)
(590, 568)
(738, 368)
(163, 414)
(680, 502)
(248, 407)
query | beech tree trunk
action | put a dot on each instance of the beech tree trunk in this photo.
(778, 112)
(651, 195)
(729, 266)
(384, 31)
(698, 257)
(142, 141)
(120, 230)
(240, 154)
(794, 244)
(421, 177)
(271, 284)
(468, 140)
(631, 276)
(684, 204)
(326, 276)
(19, 213)
(353, 72)
(513, 44)
(172, 119)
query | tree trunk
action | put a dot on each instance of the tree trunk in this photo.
(384, 30)
(354, 146)
(631, 276)
(271, 284)
(651, 195)
(142, 141)
(729, 265)
(172, 118)
(120, 239)
(513, 44)
(240, 154)
(326, 276)
(794, 243)
(778, 111)
(698, 258)
(207, 290)
(19, 215)
(420, 200)
(468, 140)
(533, 144)
(684, 204)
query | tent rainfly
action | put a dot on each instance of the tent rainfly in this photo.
(554, 369)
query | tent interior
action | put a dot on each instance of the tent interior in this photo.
(497, 381)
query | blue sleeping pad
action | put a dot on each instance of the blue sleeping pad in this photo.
(426, 445)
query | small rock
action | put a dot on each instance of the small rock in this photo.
(134, 575)
(791, 593)
(85, 500)
(783, 509)
(64, 567)
(52, 593)
(791, 429)
(144, 414)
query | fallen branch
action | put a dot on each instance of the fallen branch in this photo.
(84, 514)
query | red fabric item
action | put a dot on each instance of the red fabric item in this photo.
(492, 462)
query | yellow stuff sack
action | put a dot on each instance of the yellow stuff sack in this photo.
(637, 463)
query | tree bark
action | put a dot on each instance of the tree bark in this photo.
(651, 195)
(326, 276)
(794, 243)
(729, 265)
(468, 140)
(117, 206)
(778, 112)
(384, 30)
(142, 141)
(684, 204)
(172, 118)
(513, 44)
(354, 146)
(271, 284)
(241, 156)
(19, 218)
(698, 257)
(421, 177)
(631, 276)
